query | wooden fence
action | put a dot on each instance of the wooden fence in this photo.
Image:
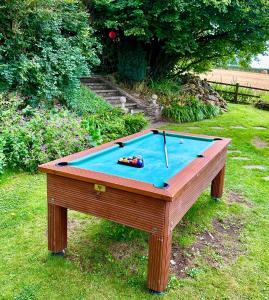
(237, 86)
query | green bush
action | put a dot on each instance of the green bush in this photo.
(134, 123)
(31, 136)
(189, 110)
(104, 127)
(45, 47)
(87, 102)
(167, 88)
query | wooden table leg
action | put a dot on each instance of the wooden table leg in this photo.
(158, 262)
(218, 184)
(57, 229)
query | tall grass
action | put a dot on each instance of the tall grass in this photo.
(189, 110)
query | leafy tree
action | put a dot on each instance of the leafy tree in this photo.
(45, 46)
(184, 34)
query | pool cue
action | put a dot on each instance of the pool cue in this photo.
(165, 149)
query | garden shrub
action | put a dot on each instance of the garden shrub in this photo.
(46, 46)
(190, 110)
(31, 136)
(167, 88)
(87, 102)
(112, 125)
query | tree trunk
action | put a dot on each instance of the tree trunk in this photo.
(160, 62)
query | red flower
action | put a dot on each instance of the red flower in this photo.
(112, 35)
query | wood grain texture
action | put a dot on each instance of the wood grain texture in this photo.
(57, 228)
(218, 184)
(191, 191)
(126, 208)
(158, 261)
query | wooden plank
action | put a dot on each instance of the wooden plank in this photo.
(243, 86)
(236, 92)
(126, 208)
(57, 228)
(240, 94)
(194, 188)
(218, 184)
(158, 262)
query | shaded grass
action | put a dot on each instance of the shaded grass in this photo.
(93, 268)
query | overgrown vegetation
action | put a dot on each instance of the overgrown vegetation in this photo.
(181, 35)
(189, 110)
(31, 136)
(104, 127)
(45, 47)
(86, 102)
(178, 105)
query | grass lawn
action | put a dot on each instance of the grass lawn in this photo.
(220, 249)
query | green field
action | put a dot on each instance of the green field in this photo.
(221, 249)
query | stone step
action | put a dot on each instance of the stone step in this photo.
(137, 111)
(116, 100)
(97, 86)
(91, 80)
(107, 93)
(130, 105)
(113, 102)
(112, 98)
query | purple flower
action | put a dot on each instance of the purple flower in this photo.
(43, 147)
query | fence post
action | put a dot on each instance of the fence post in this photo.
(236, 92)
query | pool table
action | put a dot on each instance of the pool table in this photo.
(153, 198)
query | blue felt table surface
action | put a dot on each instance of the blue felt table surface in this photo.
(182, 149)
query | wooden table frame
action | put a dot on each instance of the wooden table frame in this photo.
(136, 204)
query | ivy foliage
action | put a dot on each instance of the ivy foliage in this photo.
(186, 34)
(45, 46)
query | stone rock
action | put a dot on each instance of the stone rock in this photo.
(201, 89)
(240, 158)
(172, 262)
(254, 167)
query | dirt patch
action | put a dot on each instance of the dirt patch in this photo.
(217, 247)
(234, 197)
(73, 224)
(122, 250)
(259, 143)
